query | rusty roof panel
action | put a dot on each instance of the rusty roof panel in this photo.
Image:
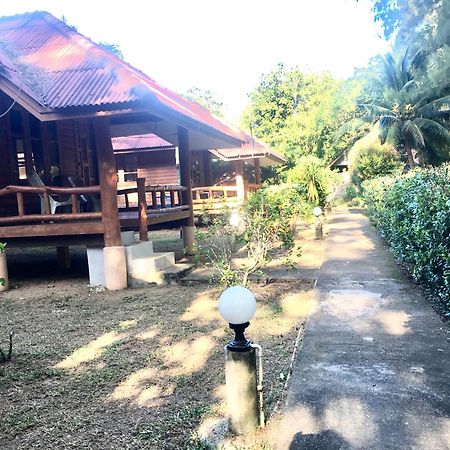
(61, 68)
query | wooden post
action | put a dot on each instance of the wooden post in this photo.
(108, 182)
(185, 178)
(257, 171)
(142, 203)
(240, 186)
(201, 169)
(63, 257)
(115, 263)
(29, 163)
(208, 168)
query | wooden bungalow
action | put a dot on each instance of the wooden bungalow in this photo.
(62, 99)
(223, 178)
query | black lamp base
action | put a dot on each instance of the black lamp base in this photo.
(240, 343)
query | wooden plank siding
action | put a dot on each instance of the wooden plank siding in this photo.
(158, 167)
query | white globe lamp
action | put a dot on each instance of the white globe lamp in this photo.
(317, 211)
(237, 305)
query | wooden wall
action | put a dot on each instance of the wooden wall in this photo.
(27, 144)
(157, 167)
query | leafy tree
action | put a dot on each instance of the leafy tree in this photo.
(313, 177)
(374, 160)
(409, 111)
(403, 16)
(298, 114)
(207, 99)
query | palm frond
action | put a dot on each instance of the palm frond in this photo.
(413, 134)
(390, 72)
(420, 60)
(440, 105)
(384, 125)
(433, 130)
(351, 126)
(375, 110)
(409, 85)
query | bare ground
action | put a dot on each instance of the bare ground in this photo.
(141, 368)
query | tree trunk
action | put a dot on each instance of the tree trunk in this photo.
(411, 162)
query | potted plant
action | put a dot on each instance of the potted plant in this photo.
(3, 269)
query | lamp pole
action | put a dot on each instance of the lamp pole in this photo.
(237, 306)
(317, 211)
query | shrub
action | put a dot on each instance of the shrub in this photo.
(374, 161)
(269, 216)
(350, 193)
(313, 179)
(412, 213)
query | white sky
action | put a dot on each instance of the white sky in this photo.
(225, 45)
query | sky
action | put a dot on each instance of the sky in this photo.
(224, 46)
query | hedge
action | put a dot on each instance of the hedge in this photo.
(412, 213)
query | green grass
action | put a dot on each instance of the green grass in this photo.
(18, 421)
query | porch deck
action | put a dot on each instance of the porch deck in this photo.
(216, 200)
(139, 208)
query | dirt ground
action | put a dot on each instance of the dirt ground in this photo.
(140, 368)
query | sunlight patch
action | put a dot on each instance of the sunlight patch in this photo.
(190, 356)
(91, 351)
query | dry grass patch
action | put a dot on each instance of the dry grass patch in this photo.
(141, 368)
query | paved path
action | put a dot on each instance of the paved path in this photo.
(374, 368)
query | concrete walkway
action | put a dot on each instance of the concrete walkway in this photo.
(374, 368)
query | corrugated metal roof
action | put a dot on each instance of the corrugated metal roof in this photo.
(60, 68)
(251, 150)
(139, 142)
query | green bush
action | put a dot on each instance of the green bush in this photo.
(269, 217)
(412, 213)
(350, 193)
(313, 180)
(374, 161)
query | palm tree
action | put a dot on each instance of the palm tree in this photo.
(409, 112)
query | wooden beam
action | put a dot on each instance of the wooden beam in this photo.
(108, 181)
(185, 171)
(51, 229)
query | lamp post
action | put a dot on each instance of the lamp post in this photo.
(237, 305)
(317, 211)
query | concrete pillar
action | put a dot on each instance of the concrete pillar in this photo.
(242, 394)
(115, 268)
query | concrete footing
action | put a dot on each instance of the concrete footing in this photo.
(134, 263)
(115, 264)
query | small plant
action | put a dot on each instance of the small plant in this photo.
(4, 357)
(217, 244)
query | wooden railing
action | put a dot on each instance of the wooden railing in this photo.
(214, 199)
(151, 200)
(45, 192)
